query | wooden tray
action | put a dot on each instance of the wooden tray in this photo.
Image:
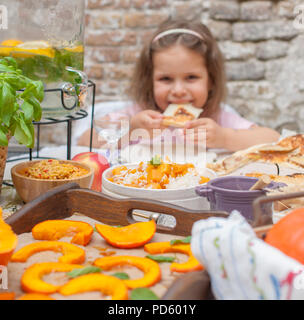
(63, 201)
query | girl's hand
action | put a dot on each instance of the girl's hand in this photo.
(147, 119)
(215, 136)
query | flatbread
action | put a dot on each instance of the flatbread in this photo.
(292, 179)
(276, 148)
(296, 141)
(272, 157)
(297, 160)
(176, 115)
(235, 161)
(289, 152)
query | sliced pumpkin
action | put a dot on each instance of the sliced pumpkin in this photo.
(108, 285)
(31, 280)
(71, 253)
(151, 269)
(35, 296)
(131, 236)
(8, 241)
(7, 296)
(57, 229)
(165, 247)
(287, 235)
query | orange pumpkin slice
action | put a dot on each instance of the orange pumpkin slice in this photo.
(7, 296)
(71, 253)
(151, 269)
(131, 236)
(165, 247)
(57, 229)
(31, 280)
(108, 285)
(287, 235)
(35, 296)
(8, 241)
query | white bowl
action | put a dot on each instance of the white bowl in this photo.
(185, 197)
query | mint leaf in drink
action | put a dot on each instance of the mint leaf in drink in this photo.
(143, 294)
(11, 61)
(185, 240)
(160, 258)
(86, 270)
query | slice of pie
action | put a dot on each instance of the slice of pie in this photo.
(176, 115)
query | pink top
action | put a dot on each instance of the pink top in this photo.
(228, 118)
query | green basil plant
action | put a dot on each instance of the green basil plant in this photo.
(20, 99)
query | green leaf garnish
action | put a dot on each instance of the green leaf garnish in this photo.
(160, 258)
(121, 275)
(155, 161)
(176, 241)
(143, 294)
(86, 270)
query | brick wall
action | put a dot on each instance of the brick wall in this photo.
(263, 50)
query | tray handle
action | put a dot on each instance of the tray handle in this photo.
(261, 219)
(50, 205)
(113, 211)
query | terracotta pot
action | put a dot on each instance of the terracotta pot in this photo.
(3, 154)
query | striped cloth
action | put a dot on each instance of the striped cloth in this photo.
(240, 265)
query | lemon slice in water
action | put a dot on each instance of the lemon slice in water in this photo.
(30, 48)
(78, 48)
(7, 46)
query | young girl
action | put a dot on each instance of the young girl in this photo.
(182, 64)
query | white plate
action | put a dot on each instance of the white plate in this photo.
(185, 197)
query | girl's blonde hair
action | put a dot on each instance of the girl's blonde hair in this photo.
(141, 89)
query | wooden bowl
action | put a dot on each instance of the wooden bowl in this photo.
(30, 188)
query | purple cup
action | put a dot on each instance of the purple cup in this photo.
(232, 193)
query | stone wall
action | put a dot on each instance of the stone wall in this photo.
(264, 51)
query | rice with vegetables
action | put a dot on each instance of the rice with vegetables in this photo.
(160, 176)
(54, 170)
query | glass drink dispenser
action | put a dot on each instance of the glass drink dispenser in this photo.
(46, 38)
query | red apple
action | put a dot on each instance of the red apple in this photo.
(96, 161)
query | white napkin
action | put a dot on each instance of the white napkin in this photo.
(240, 265)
